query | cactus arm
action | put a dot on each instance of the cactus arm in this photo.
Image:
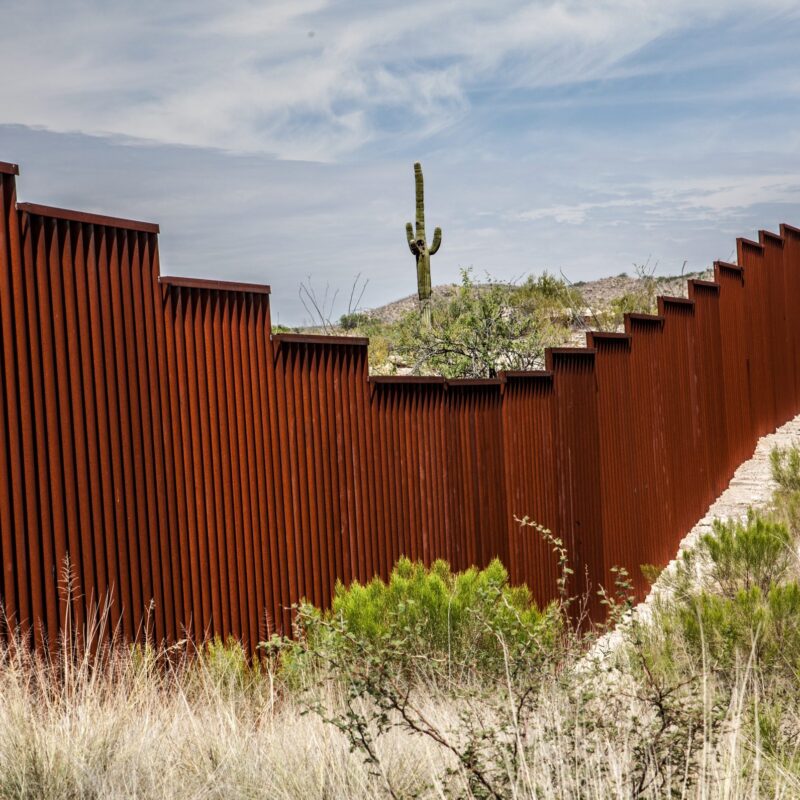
(420, 190)
(412, 244)
(437, 240)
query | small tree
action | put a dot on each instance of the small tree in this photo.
(476, 333)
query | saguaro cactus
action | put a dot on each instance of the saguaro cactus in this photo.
(419, 247)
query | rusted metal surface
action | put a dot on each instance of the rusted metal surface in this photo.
(410, 433)
(326, 456)
(576, 445)
(204, 475)
(476, 471)
(531, 478)
(83, 464)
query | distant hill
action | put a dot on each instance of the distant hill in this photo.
(597, 295)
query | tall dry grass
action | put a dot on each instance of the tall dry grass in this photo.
(139, 723)
(701, 700)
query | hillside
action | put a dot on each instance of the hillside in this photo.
(597, 295)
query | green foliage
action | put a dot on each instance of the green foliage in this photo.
(427, 619)
(353, 320)
(640, 300)
(619, 602)
(226, 666)
(546, 294)
(431, 630)
(732, 625)
(482, 329)
(746, 600)
(650, 572)
(729, 631)
(785, 466)
(743, 555)
(631, 302)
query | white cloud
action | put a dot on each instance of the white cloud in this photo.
(247, 76)
(710, 197)
(678, 130)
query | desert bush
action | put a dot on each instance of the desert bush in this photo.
(226, 665)
(735, 598)
(728, 635)
(785, 468)
(755, 553)
(642, 299)
(353, 320)
(480, 330)
(546, 295)
(426, 621)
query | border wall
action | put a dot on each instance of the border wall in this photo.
(163, 453)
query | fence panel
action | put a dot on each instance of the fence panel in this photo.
(577, 449)
(202, 475)
(409, 420)
(531, 479)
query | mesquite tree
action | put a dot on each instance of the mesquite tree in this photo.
(419, 247)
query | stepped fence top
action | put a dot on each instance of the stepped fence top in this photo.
(165, 457)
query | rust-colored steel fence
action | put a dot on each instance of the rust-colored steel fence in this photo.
(163, 453)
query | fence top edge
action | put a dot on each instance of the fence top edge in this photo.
(607, 335)
(699, 282)
(637, 316)
(521, 374)
(765, 236)
(742, 242)
(320, 338)
(207, 283)
(604, 340)
(407, 379)
(7, 168)
(69, 215)
(669, 300)
(459, 383)
(730, 267)
(790, 229)
(570, 351)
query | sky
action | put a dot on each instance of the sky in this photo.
(274, 142)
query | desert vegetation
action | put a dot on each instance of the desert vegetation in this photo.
(435, 684)
(482, 325)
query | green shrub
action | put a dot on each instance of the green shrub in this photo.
(750, 626)
(226, 666)
(785, 467)
(785, 464)
(650, 572)
(743, 555)
(746, 609)
(353, 320)
(482, 329)
(427, 620)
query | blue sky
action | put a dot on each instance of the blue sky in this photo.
(273, 141)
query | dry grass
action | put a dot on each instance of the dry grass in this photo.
(653, 718)
(139, 724)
